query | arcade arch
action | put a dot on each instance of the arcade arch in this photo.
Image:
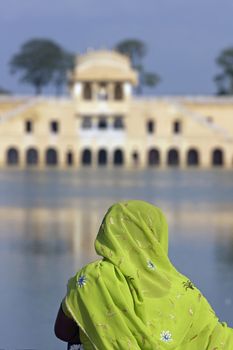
(153, 157)
(12, 156)
(32, 156)
(192, 157)
(102, 157)
(217, 157)
(51, 157)
(173, 157)
(86, 156)
(118, 157)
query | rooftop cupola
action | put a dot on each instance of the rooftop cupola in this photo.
(102, 75)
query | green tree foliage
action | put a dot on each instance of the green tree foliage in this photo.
(41, 62)
(224, 79)
(65, 63)
(136, 50)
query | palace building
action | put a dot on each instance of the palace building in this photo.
(103, 124)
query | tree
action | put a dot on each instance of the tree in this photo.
(224, 80)
(146, 79)
(64, 64)
(136, 50)
(40, 61)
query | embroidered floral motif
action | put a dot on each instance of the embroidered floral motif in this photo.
(188, 285)
(76, 347)
(191, 312)
(151, 265)
(81, 281)
(166, 336)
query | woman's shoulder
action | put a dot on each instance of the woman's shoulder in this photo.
(90, 273)
(86, 269)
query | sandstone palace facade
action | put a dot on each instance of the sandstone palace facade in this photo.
(103, 124)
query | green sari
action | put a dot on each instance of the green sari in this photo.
(134, 298)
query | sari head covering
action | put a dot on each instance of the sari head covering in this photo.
(134, 298)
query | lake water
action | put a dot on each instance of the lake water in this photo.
(49, 219)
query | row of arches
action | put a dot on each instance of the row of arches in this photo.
(51, 157)
(192, 157)
(102, 157)
(153, 157)
(32, 158)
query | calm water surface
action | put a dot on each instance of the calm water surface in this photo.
(49, 219)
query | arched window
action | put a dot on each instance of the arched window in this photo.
(217, 157)
(150, 127)
(192, 157)
(28, 126)
(87, 91)
(12, 156)
(86, 157)
(51, 156)
(69, 158)
(32, 156)
(54, 127)
(177, 127)
(153, 157)
(102, 124)
(102, 157)
(118, 158)
(173, 158)
(118, 92)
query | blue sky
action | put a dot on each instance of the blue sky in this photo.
(183, 36)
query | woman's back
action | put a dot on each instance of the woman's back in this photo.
(134, 298)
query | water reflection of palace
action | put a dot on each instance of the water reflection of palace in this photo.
(103, 124)
(50, 231)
